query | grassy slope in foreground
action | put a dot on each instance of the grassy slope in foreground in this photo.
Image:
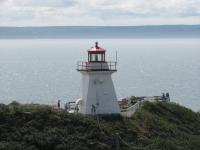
(155, 126)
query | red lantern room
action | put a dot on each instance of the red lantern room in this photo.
(96, 61)
(96, 54)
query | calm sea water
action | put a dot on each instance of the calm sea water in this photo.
(45, 70)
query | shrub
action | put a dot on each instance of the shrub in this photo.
(14, 103)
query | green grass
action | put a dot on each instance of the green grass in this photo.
(154, 126)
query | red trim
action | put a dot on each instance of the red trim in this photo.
(96, 52)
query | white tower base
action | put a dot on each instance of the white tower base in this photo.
(97, 89)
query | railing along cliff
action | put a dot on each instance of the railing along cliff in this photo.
(131, 110)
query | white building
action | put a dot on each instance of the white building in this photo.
(97, 93)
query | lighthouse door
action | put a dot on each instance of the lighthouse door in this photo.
(103, 100)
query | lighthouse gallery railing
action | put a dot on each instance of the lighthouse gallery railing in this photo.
(83, 65)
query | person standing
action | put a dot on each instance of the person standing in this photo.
(167, 96)
(66, 107)
(163, 97)
(58, 103)
(76, 109)
(93, 110)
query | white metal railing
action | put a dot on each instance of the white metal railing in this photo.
(131, 110)
(83, 65)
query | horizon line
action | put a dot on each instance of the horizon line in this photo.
(109, 26)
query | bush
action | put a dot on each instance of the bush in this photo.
(154, 126)
(14, 103)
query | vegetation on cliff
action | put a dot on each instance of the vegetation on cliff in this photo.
(155, 125)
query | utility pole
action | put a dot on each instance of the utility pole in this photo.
(117, 141)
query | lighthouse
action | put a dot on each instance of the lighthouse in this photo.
(97, 94)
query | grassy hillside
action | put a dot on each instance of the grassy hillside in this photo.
(155, 126)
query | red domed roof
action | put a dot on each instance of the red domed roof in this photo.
(96, 49)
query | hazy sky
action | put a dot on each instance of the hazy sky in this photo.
(98, 12)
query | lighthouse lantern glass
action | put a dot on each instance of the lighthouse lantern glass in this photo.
(97, 57)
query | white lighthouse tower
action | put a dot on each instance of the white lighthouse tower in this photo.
(97, 93)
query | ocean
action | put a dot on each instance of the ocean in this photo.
(39, 70)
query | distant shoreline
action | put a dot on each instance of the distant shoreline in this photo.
(101, 32)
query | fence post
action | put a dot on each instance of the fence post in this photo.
(52, 105)
(117, 141)
(27, 104)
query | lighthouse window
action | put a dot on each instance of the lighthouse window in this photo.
(96, 57)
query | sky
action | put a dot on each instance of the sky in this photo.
(99, 12)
